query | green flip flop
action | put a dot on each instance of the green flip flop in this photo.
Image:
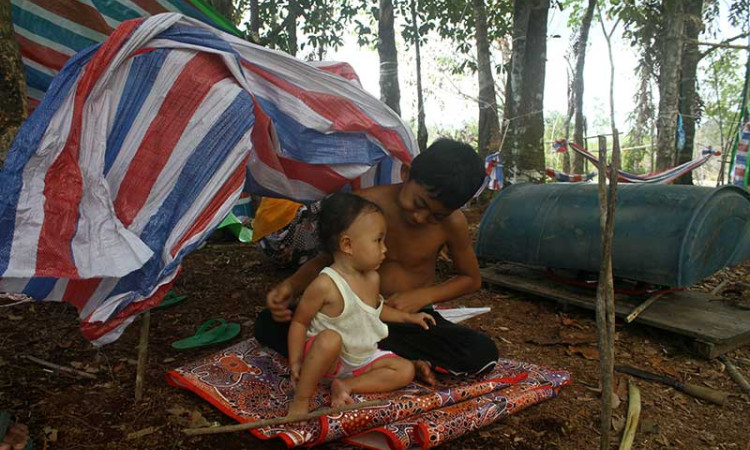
(221, 332)
(169, 300)
(233, 224)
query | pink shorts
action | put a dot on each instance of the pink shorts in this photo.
(346, 370)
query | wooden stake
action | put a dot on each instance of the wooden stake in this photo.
(140, 375)
(642, 307)
(735, 374)
(634, 412)
(60, 368)
(282, 420)
(605, 308)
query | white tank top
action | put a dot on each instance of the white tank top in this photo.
(358, 324)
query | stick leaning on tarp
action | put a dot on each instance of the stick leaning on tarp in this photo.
(282, 420)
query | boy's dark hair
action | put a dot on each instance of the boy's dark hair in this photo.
(451, 171)
(338, 212)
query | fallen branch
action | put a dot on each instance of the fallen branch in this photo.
(642, 307)
(703, 393)
(634, 412)
(59, 368)
(735, 374)
(282, 420)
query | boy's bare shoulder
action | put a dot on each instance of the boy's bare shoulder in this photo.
(456, 222)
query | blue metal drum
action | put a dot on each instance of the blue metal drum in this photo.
(671, 235)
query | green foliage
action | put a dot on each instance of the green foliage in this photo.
(739, 14)
(323, 23)
(454, 20)
(722, 92)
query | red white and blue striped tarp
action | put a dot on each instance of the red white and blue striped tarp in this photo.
(493, 166)
(49, 32)
(142, 145)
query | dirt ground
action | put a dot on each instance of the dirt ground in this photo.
(229, 280)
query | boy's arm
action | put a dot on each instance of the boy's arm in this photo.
(388, 314)
(278, 298)
(467, 279)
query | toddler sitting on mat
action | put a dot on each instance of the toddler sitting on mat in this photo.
(338, 323)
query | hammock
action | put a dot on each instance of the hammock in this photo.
(664, 177)
(142, 145)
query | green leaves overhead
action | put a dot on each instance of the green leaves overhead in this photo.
(322, 22)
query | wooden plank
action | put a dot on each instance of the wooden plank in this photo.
(718, 326)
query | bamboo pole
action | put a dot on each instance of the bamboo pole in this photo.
(634, 412)
(142, 356)
(282, 420)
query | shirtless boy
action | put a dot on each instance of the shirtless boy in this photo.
(422, 215)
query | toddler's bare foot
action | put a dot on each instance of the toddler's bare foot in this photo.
(16, 438)
(298, 407)
(424, 372)
(340, 394)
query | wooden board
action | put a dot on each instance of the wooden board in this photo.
(715, 326)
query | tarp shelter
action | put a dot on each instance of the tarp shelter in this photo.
(51, 32)
(143, 143)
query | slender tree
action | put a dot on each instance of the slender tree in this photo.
(390, 93)
(580, 57)
(688, 102)
(12, 83)
(422, 135)
(489, 126)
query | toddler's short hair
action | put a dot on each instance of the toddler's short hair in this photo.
(338, 212)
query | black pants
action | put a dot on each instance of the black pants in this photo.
(449, 347)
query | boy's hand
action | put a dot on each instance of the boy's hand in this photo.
(277, 301)
(422, 319)
(406, 301)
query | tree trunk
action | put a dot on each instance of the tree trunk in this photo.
(12, 83)
(523, 146)
(489, 126)
(580, 51)
(291, 29)
(688, 102)
(669, 82)
(421, 126)
(389, 90)
(568, 118)
(255, 20)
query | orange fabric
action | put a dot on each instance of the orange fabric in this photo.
(272, 215)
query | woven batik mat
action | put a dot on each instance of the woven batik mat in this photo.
(249, 382)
